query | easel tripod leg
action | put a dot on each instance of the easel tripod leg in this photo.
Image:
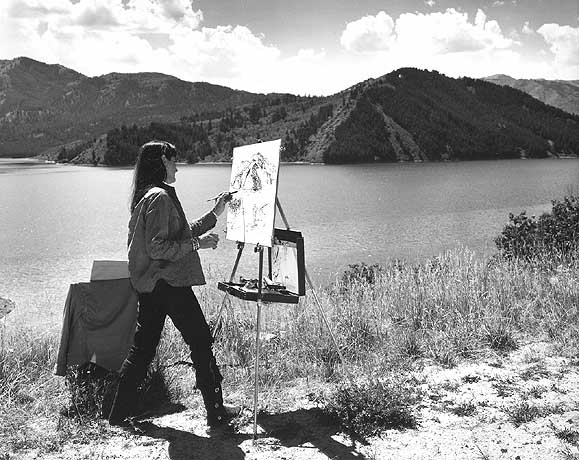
(318, 303)
(255, 370)
(226, 295)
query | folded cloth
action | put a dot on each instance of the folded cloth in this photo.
(98, 326)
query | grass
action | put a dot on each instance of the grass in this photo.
(449, 308)
(371, 406)
(525, 411)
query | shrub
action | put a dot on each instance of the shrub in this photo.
(555, 232)
(361, 272)
(367, 408)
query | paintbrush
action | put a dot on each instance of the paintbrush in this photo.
(217, 196)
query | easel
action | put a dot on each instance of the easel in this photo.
(259, 302)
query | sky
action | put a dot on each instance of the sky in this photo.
(306, 47)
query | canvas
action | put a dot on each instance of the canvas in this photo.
(288, 260)
(254, 178)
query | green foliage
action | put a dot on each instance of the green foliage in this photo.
(368, 408)
(552, 233)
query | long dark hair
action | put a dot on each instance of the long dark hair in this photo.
(149, 168)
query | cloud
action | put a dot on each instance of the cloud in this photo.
(369, 34)
(102, 36)
(430, 3)
(222, 52)
(457, 44)
(563, 42)
(527, 29)
(438, 33)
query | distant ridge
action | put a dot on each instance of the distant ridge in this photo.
(406, 115)
(44, 105)
(558, 93)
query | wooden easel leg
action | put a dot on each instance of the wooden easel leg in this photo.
(323, 315)
(255, 370)
(226, 295)
(309, 281)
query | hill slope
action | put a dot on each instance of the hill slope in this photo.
(42, 105)
(407, 115)
(448, 118)
(563, 94)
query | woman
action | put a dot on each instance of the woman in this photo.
(163, 265)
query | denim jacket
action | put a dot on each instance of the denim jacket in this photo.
(160, 242)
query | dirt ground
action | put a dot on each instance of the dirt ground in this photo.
(522, 406)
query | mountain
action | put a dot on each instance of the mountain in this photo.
(406, 115)
(43, 105)
(558, 93)
(448, 118)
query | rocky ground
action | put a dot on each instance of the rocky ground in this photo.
(522, 406)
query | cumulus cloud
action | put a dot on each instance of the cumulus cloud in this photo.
(439, 33)
(430, 3)
(168, 36)
(457, 44)
(101, 36)
(369, 34)
(563, 42)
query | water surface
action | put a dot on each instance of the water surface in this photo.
(56, 219)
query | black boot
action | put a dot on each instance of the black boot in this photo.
(123, 405)
(209, 383)
(217, 413)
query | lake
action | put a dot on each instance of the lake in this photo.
(56, 219)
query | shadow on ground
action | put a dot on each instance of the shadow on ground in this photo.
(188, 446)
(305, 427)
(300, 429)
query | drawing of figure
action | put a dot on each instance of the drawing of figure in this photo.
(257, 166)
(254, 173)
(258, 214)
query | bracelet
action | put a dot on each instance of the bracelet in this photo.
(195, 243)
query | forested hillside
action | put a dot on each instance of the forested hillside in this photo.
(463, 119)
(407, 115)
(46, 106)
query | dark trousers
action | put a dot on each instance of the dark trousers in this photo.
(181, 305)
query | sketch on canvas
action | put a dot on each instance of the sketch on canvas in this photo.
(251, 212)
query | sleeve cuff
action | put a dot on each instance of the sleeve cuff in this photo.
(195, 243)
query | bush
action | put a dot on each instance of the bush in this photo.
(366, 409)
(361, 273)
(553, 233)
